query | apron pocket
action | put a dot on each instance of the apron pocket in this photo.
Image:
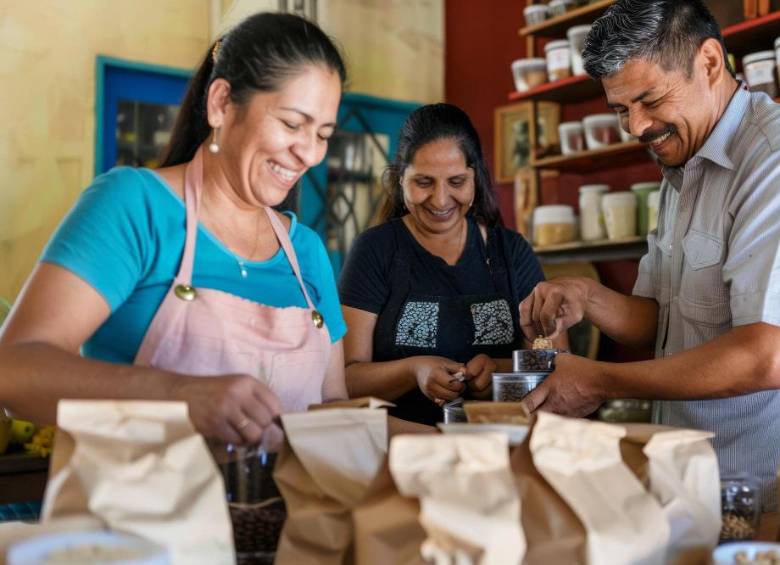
(296, 377)
(418, 325)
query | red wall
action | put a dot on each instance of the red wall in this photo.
(481, 42)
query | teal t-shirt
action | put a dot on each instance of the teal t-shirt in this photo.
(125, 237)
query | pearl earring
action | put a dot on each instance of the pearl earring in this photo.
(214, 145)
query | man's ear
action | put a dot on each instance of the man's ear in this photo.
(711, 59)
(217, 102)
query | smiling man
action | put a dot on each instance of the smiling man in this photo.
(707, 298)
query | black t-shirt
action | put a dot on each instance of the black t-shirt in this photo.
(427, 307)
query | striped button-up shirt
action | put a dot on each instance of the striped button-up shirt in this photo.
(713, 264)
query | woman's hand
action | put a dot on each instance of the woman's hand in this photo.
(231, 408)
(479, 375)
(435, 377)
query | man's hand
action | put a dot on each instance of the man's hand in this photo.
(554, 306)
(575, 388)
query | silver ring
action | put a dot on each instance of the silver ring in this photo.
(244, 423)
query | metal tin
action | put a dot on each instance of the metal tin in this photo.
(534, 360)
(512, 387)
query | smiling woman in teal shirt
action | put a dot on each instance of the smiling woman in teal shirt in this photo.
(125, 238)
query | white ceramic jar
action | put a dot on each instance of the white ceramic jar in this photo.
(760, 70)
(591, 218)
(571, 136)
(558, 55)
(577, 35)
(560, 7)
(535, 14)
(601, 130)
(619, 210)
(554, 225)
(529, 73)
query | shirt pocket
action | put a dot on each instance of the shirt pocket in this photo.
(702, 274)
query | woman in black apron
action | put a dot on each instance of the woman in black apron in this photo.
(433, 292)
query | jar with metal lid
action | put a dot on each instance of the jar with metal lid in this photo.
(454, 412)
(529, 73)
(534, 360)
(512, 387)
(535, 14)
(591, 217)
(760, 69)
(740, 502)
(558, 55)
(553, 225)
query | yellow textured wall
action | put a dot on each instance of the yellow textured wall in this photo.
(394, 49)
(47, 68)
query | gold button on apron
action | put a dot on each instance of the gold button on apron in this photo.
(185, 292)
(316, 317)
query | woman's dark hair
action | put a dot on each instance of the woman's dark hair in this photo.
(255, 56)
(432, 123)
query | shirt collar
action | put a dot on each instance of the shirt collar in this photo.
(718, 145)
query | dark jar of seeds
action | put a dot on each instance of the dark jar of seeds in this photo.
(512, 387)
(740, 497)
(534, 360)
(257, 510)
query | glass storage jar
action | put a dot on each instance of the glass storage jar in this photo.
(512, 387)
(601, 130)
(535, 14)
(577, 35)
(572, 137)
(642, 190)
(740, 502)
(619, 210)
(625, 410)
(558, 55)
(591, 217)
(554, 225)
(454, 412)
(534, 360)
(529, 73)
(653, 200)
(760, 70)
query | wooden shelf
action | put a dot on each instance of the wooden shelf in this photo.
(630, 152)
(757, 34)
(568, 90)
(557, 26)
(604, 250)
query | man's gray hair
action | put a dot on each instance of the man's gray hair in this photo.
(667, 32)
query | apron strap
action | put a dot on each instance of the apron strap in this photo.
(284, 241)
(193, 183)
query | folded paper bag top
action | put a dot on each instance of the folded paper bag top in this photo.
(470, 505)
(326, 466)
(141, 468)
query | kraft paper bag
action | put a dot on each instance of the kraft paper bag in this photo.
(387, 528)
(552, 530)
(470, 505)
(582, 461)
(327, 463)
(680, 469)
(141, 468)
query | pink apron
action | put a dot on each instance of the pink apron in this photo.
(208, 332)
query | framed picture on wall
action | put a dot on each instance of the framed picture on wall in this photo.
(512, 130)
